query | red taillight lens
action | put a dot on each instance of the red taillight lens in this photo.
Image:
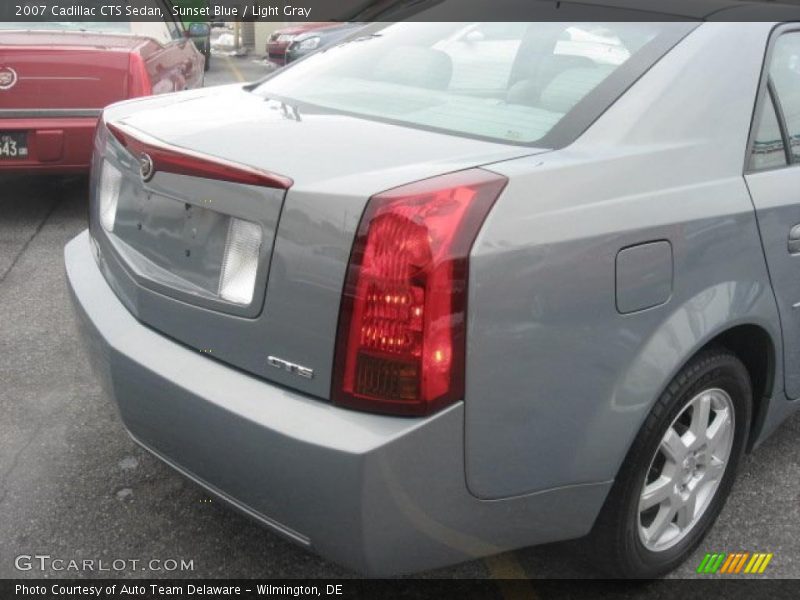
(138, 78)
(401, 342)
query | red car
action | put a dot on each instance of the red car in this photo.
(55, 79)
(279, 41)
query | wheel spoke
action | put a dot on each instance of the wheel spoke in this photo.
(659, 525)
(686, 511)
(656, 492)
(718, 432)
(672, 446)
(714, 470)
(700, 417)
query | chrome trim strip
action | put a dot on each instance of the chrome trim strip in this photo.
(27, 113)
(57, 78)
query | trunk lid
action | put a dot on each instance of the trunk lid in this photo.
(58, 70)
(336, 163)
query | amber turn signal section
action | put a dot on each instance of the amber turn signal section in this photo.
(401, 341)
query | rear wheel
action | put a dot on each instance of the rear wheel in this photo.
(679, 470)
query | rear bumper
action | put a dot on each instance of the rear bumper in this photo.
(55, 144)
(381, 495)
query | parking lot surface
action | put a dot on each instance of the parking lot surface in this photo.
(74, 486)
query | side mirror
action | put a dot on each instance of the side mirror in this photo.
(199, 30)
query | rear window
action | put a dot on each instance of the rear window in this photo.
(508, 82)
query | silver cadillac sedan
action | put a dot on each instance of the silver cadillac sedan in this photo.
(450, 289)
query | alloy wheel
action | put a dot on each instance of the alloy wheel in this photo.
(686, 469)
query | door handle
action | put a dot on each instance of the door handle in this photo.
(794, 240)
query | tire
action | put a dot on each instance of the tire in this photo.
(627, 541)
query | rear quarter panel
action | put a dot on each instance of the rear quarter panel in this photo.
(558, 381)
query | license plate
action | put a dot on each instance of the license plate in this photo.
(13, 145)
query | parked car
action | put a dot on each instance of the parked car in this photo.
(556, 305)
(279, 41)
(55, 79)
(311, 41)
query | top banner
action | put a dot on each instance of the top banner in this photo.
(26, 12)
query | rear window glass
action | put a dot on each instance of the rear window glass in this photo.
(509, 82)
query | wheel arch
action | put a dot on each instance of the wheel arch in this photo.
(754, 346)
(741, 316)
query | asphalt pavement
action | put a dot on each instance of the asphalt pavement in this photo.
(74, 486)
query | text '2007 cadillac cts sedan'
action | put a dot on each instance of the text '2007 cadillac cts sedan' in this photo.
(450, 289)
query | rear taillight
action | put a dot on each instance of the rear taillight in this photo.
(400, 346)
(138, 79)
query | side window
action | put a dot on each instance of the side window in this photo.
(769, 151)
(785, 75)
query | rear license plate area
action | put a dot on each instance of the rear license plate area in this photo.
(184, 239)
(13, 145)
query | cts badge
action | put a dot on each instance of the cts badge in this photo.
(285, 365)
(8, 78)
